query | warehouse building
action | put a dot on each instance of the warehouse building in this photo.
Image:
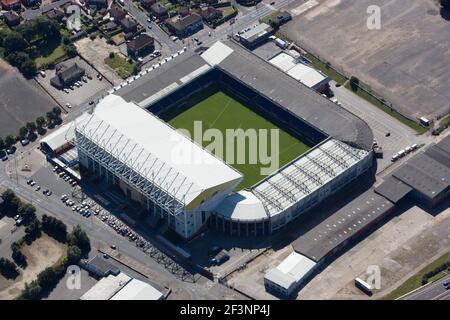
(288, 275)
(255, 36)
(424, 178)
(122, 287)
(298, 70)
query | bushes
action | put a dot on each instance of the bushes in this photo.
(54, 228)
(426, 277)
(19, 258)
(8, 269)
(79, 238)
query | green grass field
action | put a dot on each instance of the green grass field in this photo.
(222, 112)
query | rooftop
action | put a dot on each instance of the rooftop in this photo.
(306, 174)
(137, 290)
(155, 149)
(290, 271)
(342, 225)
(106, 287)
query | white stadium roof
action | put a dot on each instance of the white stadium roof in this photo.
(242, 206)
(60, 137)
(309, 172)
(154, 149)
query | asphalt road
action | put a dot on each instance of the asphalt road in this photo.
(434, 291)
(102, 235)
(381, 123)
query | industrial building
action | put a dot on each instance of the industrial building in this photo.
(302, 72)
(135, 151)
(287, 276)
(122, 287)
(256, 35)
(425, 178)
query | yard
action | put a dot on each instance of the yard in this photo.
(222, 112)
(121, 66)
(42, 253)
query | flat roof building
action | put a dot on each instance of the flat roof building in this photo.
(138, 290)
(255, 36)
(307, 75)
(288, 275)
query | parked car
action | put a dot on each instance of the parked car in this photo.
(66, 90)
(68, 105)
(24, 142)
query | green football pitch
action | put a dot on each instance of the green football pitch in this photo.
(220, 111)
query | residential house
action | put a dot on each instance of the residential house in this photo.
(99, 4)
(110, 26)
(29, 3)
(129, 25)
(10, 4)
(147, 4)
(11, 18)
(140, 45)
(56, 14)
(185, 26)
(159, 11)
(117, 13)
(66, 75)
(210, 14)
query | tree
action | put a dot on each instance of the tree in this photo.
(47, 278)
(54, 228)
(56, 111)
(32, 291)
(111, 55)
(14, 42)
(23, 132)
(79, 238)
(28, 212)
(7, 196)
(33, 230)
(50, 115)
(40, 121)
(71, 50)
(2, 144)
(11, 201)
(74, 255)
(8, 269)
(28, 68)
(354, 83)
(17, 255)
(10, 140)
(31, 126)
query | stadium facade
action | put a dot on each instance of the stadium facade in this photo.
(127, 141)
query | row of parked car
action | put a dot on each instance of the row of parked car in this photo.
(404, 152)
(32, 183)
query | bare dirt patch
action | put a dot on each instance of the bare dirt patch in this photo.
(42, 253)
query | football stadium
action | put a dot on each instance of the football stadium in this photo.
(131, 140)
